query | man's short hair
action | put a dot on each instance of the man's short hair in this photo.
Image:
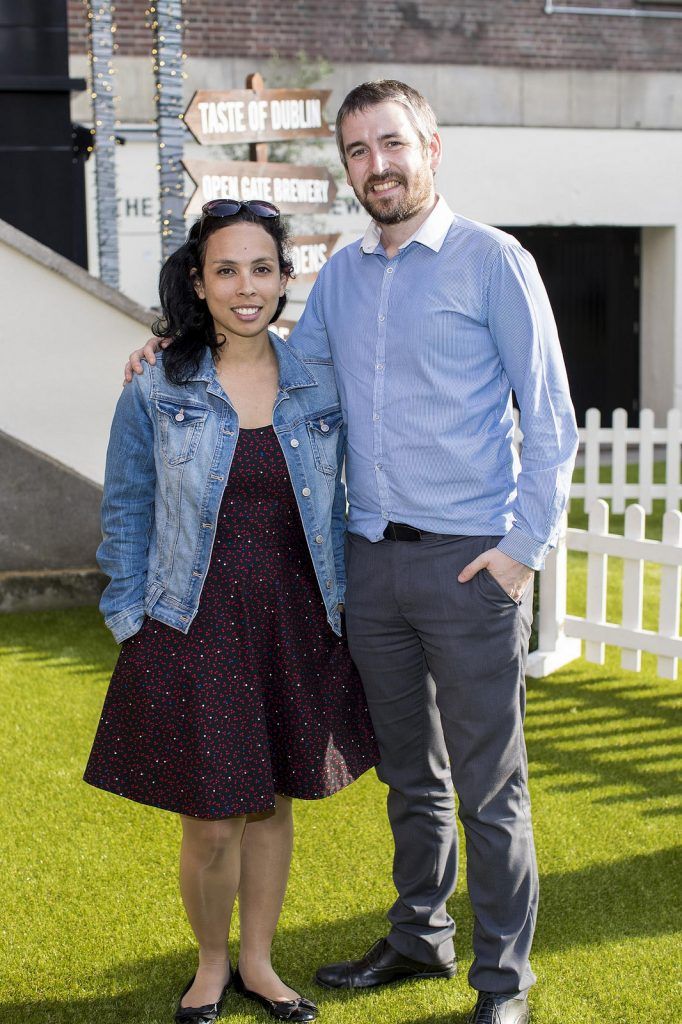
(370, 94)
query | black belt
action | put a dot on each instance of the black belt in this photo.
(401, 531)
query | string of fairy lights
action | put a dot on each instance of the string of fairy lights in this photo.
(101, 46)
(167, 24)
(166, 20)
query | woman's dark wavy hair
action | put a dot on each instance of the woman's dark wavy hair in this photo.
(184, 316)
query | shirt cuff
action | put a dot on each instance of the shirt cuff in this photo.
(524, 549)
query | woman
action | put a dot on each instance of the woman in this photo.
(223, 520)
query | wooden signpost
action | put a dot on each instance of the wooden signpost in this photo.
(293, 189)
(250, 115)
(258, 115)
(309, 253)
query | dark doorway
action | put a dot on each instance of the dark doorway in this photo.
(592, 278)
(42, 188)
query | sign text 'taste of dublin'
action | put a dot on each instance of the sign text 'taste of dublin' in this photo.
(246, 115)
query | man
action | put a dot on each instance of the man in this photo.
(432, 320)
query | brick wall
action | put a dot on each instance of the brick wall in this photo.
(496, 32)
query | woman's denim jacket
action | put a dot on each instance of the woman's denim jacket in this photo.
(168, 463)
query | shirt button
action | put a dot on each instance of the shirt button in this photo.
(381, 319)
(375, 417)
(293, 443)
(389, 270)
(306, 492)
(380, 366)
(379, 465)
(319, 539)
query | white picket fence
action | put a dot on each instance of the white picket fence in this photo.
(618, 444)
(560, 634)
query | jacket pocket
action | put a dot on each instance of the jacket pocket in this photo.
(180, 429)
(323, 431)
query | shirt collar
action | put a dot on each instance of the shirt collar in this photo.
(431, 233)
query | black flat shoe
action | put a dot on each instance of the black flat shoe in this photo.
(201, 1014)
(281, 1009)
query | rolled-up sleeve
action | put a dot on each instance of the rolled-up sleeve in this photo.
(522, 325)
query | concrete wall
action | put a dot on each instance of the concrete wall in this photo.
(49, 515)
(64, 338)
(466, 94)
(660, 377)
(554, 120)
(619, 178)
(499, 175)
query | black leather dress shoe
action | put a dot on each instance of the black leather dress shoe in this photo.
(492, 1009)
(281, 1009)
(200, 1014)
(380, 965)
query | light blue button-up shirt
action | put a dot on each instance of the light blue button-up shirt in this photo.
(427, 347)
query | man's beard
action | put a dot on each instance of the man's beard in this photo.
(395, 211)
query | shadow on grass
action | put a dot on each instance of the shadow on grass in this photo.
(147, 990)
(76, 639)
(629, 898)
(596, 763)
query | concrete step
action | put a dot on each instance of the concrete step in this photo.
(50, 589)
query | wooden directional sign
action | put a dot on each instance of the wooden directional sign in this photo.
(283, 328)
(309, 253)
(247, 115)
(292, 189)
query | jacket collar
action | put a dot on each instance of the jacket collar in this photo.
(293, 372)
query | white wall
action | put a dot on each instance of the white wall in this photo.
(563, 176)
(619, 178)
(499, 175)
(62, 350)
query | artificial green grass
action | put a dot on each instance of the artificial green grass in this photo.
(92, 925)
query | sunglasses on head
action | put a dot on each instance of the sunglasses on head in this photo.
(231, 207)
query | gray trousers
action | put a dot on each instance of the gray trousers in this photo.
(443, 667)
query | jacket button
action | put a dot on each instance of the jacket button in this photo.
(324, 427)
(294, 443)
(306, 492)
(184, 618)
(207, 526)
(319, 539)
(328, 584)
